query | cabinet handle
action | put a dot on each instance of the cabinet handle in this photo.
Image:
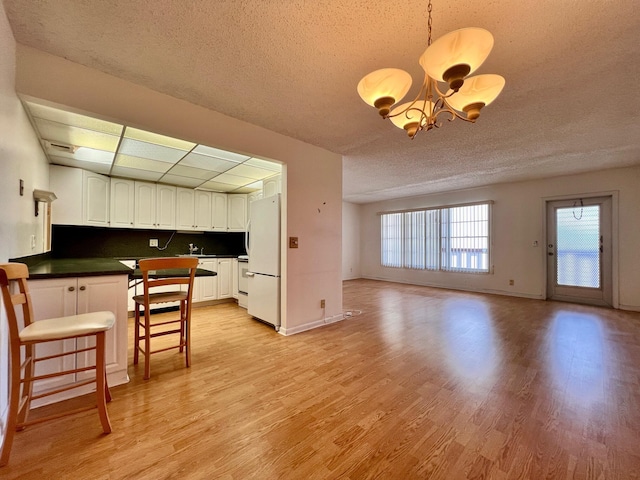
(72, 289)
(83, 288)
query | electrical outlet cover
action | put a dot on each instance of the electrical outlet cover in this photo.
(153, 242)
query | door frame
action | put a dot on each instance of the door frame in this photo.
(614, 194)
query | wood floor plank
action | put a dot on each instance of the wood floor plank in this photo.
(424, 383)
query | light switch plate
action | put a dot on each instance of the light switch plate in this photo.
(293, 242)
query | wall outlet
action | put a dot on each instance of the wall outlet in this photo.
(153, 242)
(33, 242)
(322, 303)
(511, 282)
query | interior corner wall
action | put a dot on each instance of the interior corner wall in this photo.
(313, 176)
(518, 219)
(350, 241)
(20, 158)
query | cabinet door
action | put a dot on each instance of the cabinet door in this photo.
(234, 277)
(66, 183)
(219, 220)
(203, 210)
(207, 287)
(185, 209)
(145, 205)
(96, 294)
(166, 207)
(95, 193)
(224, 278)
(271, 186)
(54, 298)
(122, 203)
(237, 207)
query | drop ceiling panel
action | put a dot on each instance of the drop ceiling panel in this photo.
(219, 187)
(233, 179)
(208, 163)
(149, 137)
(191, 172)
(181, 181)
(73, 119)
(257, 162)
(102, 168)
(161, 153)
(142, 163)
(215, 152)
(81, 154)
(76, 136)
(255, 173)
(135, 174)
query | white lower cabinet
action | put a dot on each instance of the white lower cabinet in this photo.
(225, 278)
(234, 277)
(206, 288)
(71, 296)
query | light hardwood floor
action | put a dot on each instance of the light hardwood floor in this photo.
(425, 383)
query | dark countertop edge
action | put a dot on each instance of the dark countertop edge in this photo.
(77, 267)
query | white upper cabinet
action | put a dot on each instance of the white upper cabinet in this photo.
(166, 207)
(203, 210)
(272, 185)
(237, 212)
(155, 206)
(185, 209)
(145, 205)
(83, 197)
(95, 193)
(250, 198)
(219, 218)
(122, 203)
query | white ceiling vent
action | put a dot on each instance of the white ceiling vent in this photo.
(61, 147)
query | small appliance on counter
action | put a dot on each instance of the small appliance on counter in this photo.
(263, 247)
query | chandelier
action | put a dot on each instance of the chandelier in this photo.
(450, 59)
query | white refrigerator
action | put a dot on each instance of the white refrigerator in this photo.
(263, 248)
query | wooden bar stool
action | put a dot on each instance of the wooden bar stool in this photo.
(15, 293)
(178, 272)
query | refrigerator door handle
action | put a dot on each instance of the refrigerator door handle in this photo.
(246, 237)
(250, 274)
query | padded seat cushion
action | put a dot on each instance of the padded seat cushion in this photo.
(162, 297)
(68, 327)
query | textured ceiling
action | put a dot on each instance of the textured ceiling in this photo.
(571, 102)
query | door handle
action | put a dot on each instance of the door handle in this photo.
(550, 254)
(250, 274)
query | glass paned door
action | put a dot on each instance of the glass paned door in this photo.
(579, 250)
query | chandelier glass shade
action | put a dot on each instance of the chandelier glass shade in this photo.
(449, 59)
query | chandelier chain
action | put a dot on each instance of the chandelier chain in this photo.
(429, 23)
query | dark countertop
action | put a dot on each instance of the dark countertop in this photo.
(41, 268)
(77, 267)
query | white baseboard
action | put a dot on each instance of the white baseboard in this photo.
(310, 325)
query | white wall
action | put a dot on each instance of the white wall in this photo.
(20, 158)
(518, 220)
(312, 177)
(350, 241)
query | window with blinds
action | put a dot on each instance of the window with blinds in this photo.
(454, 239)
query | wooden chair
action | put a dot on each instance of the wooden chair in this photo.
(15, 292)
(160, 272)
